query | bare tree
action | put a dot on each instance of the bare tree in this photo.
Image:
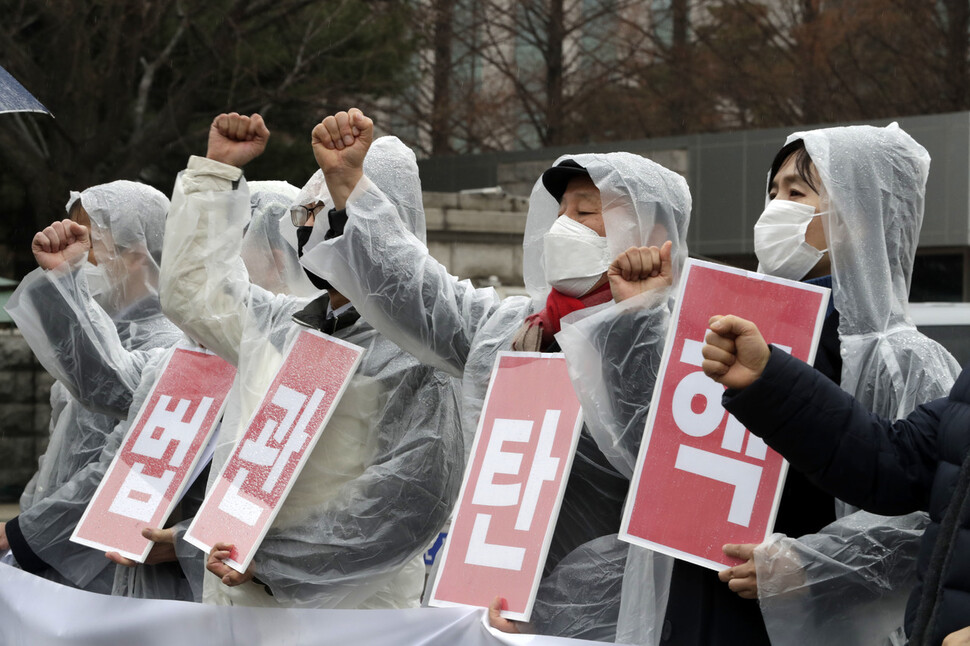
(520, 70)
(133, 86)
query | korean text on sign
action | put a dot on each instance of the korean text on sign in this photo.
(513, 485)
(702, 480)
(267, 459)
(152, 467)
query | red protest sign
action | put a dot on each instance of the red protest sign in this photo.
(145, 480)
(702, 480)
(264, 464)
(513, 486)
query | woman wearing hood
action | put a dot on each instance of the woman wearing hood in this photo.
(850, 201)
(584, 212)
(94, 326)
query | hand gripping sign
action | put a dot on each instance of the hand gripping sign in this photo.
(702, 480)
(513, 486)
(264, 464)
(151, 469)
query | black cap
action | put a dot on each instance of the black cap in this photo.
(556, 179)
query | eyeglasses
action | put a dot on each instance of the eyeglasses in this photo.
(299, 214)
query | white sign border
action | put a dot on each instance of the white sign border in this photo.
(140, 558)
(553, 518)
(624, 533)
(242, 566)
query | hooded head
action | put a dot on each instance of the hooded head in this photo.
(872, 194)
(789, 238)
(394, 170)
(642, 204)
(270, 257)
(127, 221)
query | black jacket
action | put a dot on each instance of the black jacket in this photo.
(914, 464)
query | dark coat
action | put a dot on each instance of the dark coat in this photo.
(914, 464)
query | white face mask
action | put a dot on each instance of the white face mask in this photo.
(101, 289)
(779, 240)
(574, 257)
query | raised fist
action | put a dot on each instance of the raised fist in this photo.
(735, 353)
(236, 139)
(63, 241)
(340, 143)
(640, 269)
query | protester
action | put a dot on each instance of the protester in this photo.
(915, 463)
(94, 328)
(174, 568)
(877, 194)
(847, 188)
(383, 478)
(868, 184)
(611, 202)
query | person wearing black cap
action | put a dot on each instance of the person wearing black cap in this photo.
(583, 213)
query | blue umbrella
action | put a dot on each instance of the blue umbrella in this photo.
(14, 97)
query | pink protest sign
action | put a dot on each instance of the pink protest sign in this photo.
(702, 480)
(513, 486)
(247, 495)
(145, 480)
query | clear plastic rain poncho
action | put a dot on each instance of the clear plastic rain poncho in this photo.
(181, 580)
(385, 473)
(856, 574)
(273, 265)
(94, 329)
(269, 243)
(614, 354)
(405, 293)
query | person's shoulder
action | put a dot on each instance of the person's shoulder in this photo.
(513, 308)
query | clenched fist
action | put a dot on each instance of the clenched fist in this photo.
(236, 139)
(340, 143)
(63, 241)
(640, 269)
(735, 353)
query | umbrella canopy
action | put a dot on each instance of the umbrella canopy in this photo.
(14, 97)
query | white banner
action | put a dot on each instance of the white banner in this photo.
(38, 612)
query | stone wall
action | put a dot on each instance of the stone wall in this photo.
(24, 413)
(478, 235)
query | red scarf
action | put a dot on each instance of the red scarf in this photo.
(558, 305)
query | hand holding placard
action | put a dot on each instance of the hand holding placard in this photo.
(702, 480)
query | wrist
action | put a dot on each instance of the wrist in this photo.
(341, 185)
(223, 159)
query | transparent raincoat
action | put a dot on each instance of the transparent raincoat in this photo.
(849, 583)
(269, 243)
(94, 329)
(386, 471)
(614, 353)
(405, 293)
(181, 580)
(271, 263)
